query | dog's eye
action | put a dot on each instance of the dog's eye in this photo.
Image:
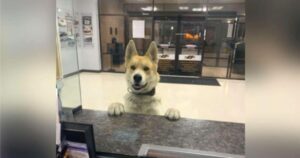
(132, 67)
(146, 68)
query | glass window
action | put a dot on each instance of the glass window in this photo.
(69, 85)
(176, 90)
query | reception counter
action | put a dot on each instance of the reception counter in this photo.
(126, 134)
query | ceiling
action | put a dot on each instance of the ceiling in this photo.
(237, 6)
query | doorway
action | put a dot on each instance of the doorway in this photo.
(189, 45)
(180, 43)
(201, 40)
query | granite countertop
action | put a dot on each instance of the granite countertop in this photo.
(126, 134)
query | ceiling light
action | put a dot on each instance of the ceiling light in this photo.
(183, 8)
(197, 9)
(149, 8)
(204, 9)
(217, 8)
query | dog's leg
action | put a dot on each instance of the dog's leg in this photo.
(116, 109)
(172, 114)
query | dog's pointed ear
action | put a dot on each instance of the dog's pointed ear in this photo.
(130, 51)
(152, 52)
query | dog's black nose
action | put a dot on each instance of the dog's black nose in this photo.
(137, 78)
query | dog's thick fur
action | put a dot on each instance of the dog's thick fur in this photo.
(137, 100)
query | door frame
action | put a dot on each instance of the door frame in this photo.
(178, 48)
(179, 17)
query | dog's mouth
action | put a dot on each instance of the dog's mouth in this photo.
(138, 86)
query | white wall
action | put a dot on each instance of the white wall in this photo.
(89, 57)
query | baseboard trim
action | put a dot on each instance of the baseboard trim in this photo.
(71, 74)
(86, 70)
(79, 71)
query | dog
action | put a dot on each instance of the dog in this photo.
(142, 78)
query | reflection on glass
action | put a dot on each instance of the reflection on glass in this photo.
(237, 65)
(194, 49)
(70, 92)
(217, 50)
(67, 29)
(67, 35)
(191, 47)
(165, 32)
(165, 37)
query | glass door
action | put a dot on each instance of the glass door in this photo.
(165, 29)
(190, 46)
(237, 63)
(219, 38)
(180, 45)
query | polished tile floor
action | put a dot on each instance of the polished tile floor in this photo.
(220, 103)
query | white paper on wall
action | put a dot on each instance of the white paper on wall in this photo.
(229, 30)
(87, 30)
(138, 28)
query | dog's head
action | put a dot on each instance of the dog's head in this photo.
(141, 71)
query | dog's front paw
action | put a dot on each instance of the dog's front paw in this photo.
(116, 109)
(172, 114)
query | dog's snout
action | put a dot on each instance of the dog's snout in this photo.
(137, 78)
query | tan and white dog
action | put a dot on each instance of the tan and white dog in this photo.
(142, 78)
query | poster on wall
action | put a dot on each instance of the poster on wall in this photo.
(229, 30)
(87, 31)
(138, 28)
(66, 29)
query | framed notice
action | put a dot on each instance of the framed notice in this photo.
(138, 28)
(87, 30)
(229, 30)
